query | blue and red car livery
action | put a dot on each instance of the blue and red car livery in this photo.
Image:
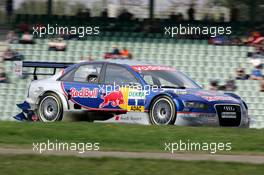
(125, 91)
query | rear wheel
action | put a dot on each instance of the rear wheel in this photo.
(163, 111)
(50, 108)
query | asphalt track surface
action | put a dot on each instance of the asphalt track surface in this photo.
(251, 159)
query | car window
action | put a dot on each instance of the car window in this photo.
(118, 75)
(85, 73)
(148, 79)
(168, 78)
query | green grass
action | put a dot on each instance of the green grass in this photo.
(120, 137)
(46, 165)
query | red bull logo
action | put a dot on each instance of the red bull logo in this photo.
(84, 93)
(114, 98)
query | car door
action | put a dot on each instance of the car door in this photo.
(82, 86)
(119, 93)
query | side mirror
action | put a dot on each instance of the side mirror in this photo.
(92, 78)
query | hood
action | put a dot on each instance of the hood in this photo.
(204, 96)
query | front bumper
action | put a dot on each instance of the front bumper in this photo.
(204, 119)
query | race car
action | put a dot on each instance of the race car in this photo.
(125, 91)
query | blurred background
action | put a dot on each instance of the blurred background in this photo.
(134, 29)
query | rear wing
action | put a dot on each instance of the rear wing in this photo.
(19, 67)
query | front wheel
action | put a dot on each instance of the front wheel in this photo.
(50, 108)
(162, 111)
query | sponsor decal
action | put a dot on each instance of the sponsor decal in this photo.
(218, 98)
(136, 108)
(84, 93)
(206, 93)
(114, 98)
(136, 100)
(136, 95)
(130, 118)
(152, 68)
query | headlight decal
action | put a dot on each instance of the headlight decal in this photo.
(196, 105)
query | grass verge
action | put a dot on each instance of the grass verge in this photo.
(44, 165)
(121, 137)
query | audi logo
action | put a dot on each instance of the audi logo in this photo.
(229, 108)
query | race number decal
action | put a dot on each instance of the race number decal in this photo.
(136, 100)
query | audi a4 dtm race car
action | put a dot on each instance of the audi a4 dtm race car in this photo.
(123, 91)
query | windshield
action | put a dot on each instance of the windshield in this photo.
(168, 78)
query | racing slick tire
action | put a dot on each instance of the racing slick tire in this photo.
(162, 111)
(50, 108)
